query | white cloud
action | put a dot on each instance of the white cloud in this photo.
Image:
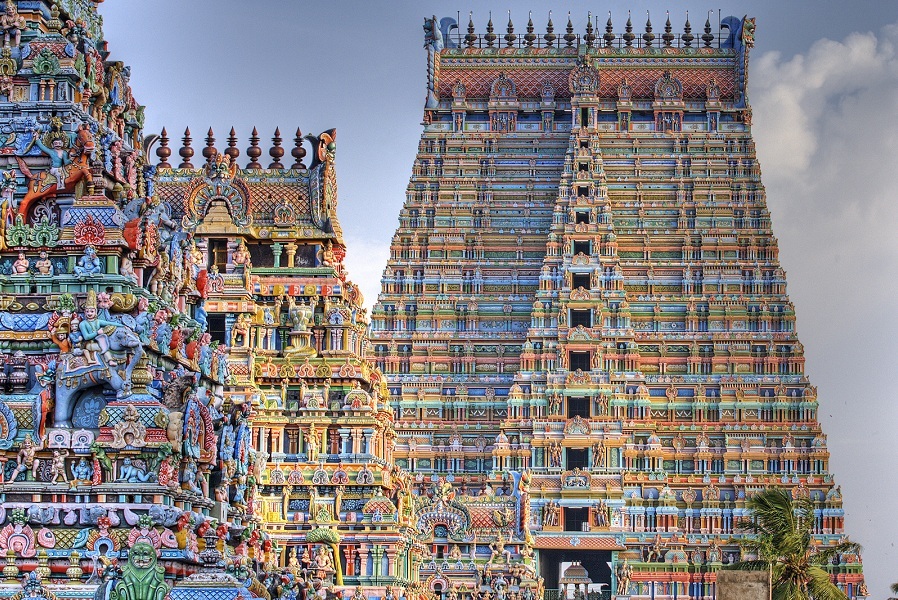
(826, 127)
(366, 258)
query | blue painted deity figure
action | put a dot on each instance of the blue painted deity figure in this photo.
(163, 331)
(82, 472)
(89, 264)
(189, 477)
(94, 330)
(59, 157)
(134, 473)
(193, 424)
(206, 352)
(223, 372)
(143, 322)
(243, 445)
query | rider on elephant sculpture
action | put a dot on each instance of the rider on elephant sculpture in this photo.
(95, 331)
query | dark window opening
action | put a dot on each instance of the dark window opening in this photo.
(583, 167)
(577, 458)
(576, 519)
(584, 143)
(579, 360)
(580, 280)
(584, 117)
(218, 253)
(261, 255)
(582, 247)
(581, 317)
(581, 217)
(578, 407)
(582, 191)
(215, 324)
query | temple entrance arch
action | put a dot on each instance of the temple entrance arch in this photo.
(552, 564)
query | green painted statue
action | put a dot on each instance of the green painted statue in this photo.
(142, 578)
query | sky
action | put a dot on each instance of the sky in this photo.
(823, 83)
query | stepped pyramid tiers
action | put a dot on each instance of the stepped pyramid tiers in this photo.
(583, 323)
(336, 509)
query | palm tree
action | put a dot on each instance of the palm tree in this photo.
(781, 540)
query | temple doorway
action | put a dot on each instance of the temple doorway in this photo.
(553, 563)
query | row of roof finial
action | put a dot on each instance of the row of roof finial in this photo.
(570, 39)
(276, 152)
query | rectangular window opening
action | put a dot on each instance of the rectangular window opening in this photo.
(578, 407)
(581, 317)
(576, 519)
(579, 360)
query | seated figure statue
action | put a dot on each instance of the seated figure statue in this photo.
(89, 264)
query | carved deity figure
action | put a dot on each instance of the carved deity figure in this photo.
(20, 266)
(43, 264)
(12, 24)
(89, 263)
(551, 512)
(240, 330)
(95, 331)
(57, 466)
(142, 578)
(313, 444)
(27, 458)
(598, 455)
(555, 454)
(624, 572)
(82, 473)
(324, 559)
(241, 255)
(127, 267)
(59, 156)
(134, 473)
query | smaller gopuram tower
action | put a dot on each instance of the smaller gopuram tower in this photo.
(336, 508)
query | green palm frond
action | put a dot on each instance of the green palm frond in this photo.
(781, 536)
(895, 588)
(825, 555)
(749, 565)
(821, 587)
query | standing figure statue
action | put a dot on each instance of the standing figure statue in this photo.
(27, 458)
(57, 466)
(624, 572)
(313, 443)
(59, 156)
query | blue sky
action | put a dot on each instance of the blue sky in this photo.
(823, 85)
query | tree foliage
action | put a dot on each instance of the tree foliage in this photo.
(781, 543)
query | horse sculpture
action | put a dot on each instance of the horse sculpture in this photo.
(74, 373)
(71, 169)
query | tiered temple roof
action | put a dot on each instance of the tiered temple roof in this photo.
(584, 315)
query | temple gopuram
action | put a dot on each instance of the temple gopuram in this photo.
(187, 411)
(582, 363)
(583, 323)
(327, 497)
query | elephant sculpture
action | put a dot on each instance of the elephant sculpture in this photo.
(75, 372)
